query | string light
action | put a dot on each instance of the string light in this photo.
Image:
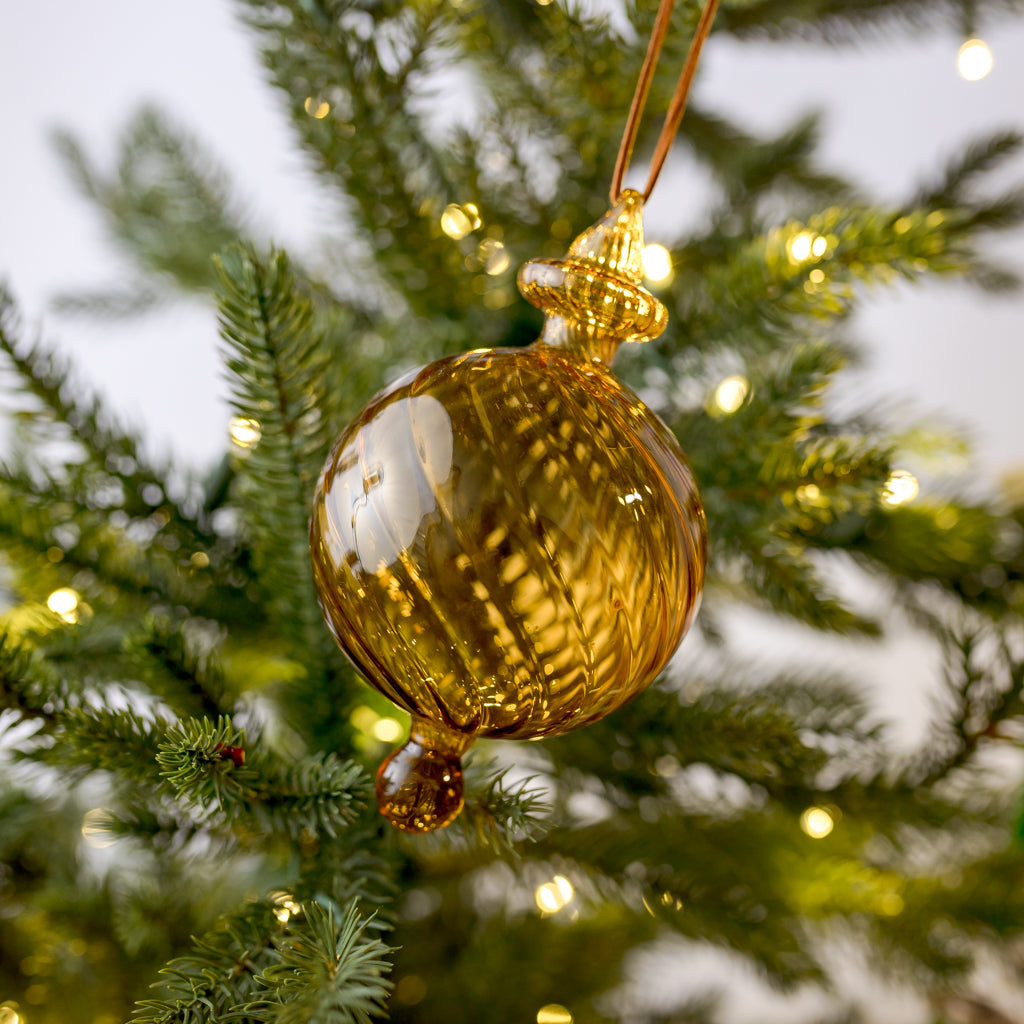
(454, 223)
(387, 730)
(316, 108)
(974, 61)
(901, 487)
(657, 262)
(799, 246)
(64, 602)
(817, 822)
(9, 1015)
(244, 432)
(731, 393)
(554, 1013)
(554, 895)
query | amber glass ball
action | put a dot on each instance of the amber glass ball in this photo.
(508, 543)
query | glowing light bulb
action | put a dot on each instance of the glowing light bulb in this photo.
(244, 432)
(454, 222)
(899, 488)
(657, 263)
(9, 1015)
(64, 602)
(799, 246)
(316, 108)
(731, 393)
(553, 1013)
(974, 61)
(817, 822)
(818, 246)
(387, 730)
(554, 895)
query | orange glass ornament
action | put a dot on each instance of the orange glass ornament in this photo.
(508, 543)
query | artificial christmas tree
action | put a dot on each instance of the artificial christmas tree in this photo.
(170, 692)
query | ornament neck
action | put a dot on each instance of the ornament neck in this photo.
(584, 339)
(594, 297)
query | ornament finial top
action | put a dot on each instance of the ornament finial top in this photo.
(597, 284)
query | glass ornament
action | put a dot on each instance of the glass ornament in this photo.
(507, 542)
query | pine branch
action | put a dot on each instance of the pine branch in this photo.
(164, 654)
(219, 974)
(326, 971)
(773, 734)
(498, 816)
(209, 767)
(168, 205)
(838, 21)
(331, 53)
(27, 684)
(276, 364)
(977, 158)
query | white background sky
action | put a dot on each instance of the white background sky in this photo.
(895, 109)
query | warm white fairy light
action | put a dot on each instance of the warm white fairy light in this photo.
(64, 602)
(974, 61)
(387, 730)
(901, 487)
(244, 432)
(316, 108)
(554, 895)
(657, 262)
(454, 222)
(817, 822)
(799, 246)
(731, 393)
(554, 1013)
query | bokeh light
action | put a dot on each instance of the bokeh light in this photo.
(387, 730)
(317, 108)
(244, 432)
(64, 602)
(817, 822)
(554, 895)
(974, 61)
(901, 487)
(554, 1013)
(731, 393)
(657, 263)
